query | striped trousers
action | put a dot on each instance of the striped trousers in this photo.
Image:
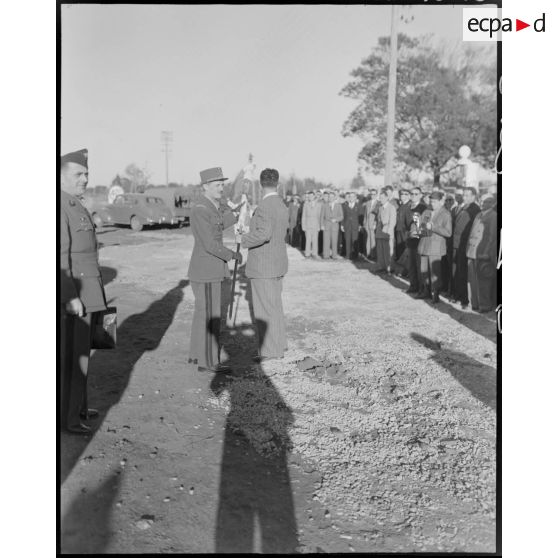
(269, 316)
(206, 324)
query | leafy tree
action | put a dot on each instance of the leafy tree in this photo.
(444, 99)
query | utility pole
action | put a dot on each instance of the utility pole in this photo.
(388, 175)
(166, 138)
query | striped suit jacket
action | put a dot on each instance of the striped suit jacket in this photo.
(267, 250)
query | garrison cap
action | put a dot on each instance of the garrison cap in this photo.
(436, 195)
(79, 157)
(269, 176)
(212, 175)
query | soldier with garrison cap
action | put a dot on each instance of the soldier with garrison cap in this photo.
(82, 292)
(208, 267)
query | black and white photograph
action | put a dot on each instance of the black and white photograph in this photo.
(278, 280)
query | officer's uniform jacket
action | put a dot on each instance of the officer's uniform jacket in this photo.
(330, 214)
(311, 216)
(209, 258)
(267, 251)
(80, 273)
(435, 243)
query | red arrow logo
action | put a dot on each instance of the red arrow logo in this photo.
(519, 25)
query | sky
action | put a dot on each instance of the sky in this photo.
(226, 80)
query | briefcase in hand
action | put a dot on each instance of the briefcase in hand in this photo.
(104, 329)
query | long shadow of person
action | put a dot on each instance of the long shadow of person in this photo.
(109, 371)
(87, 523)
(255, 493)
(479, 379)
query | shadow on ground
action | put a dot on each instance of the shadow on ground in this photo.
(109, 375)
(478, 323)
(110, 371)
(86, 525)
(255, 494)
(478, 378)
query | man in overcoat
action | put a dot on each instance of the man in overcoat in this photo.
(432, 246)
(81, 289)
(208, 268)
(266, 266)
(461, 229)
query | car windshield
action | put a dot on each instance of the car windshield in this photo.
(154, 200)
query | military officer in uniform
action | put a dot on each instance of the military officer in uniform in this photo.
(208, 267)
(82, 292)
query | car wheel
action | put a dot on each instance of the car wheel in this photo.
(97, 220)
(135, 223)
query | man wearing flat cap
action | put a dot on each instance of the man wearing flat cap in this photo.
(208, 267)
(266, 266)
(82, 292)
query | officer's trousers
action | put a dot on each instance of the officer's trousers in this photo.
(206, 323)
(75, 337)
(269, 316)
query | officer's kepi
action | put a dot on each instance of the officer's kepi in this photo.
(212, 175)
(79, 157)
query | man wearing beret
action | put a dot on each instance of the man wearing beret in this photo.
(82, 292)
(266, 265)
(208, 267)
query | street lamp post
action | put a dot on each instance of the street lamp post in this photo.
(388, 175)
(166, 138)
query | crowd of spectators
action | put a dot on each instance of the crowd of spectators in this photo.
(443, 243)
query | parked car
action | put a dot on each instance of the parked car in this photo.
(176, 199)
(135, 210)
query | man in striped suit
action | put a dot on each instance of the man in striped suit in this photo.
(208, 267)
(266, 265)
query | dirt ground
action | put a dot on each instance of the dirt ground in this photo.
(377, 432)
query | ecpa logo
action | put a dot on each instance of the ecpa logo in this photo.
(486, 24)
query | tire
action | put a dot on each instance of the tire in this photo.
(97, 220)
(136, 224)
